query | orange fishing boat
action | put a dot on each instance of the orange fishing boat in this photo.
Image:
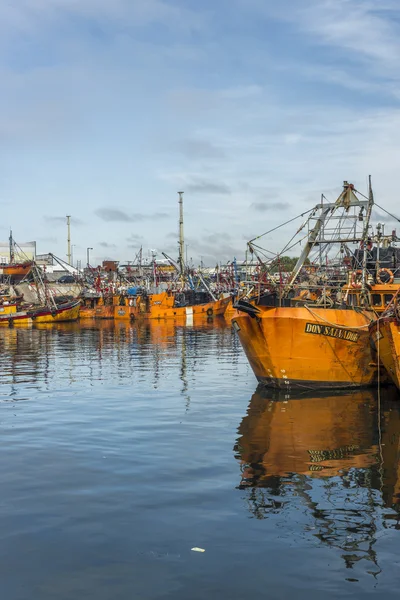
(323, 342)
(17, 270)
(169, 305)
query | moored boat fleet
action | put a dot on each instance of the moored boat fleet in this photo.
(331, 321)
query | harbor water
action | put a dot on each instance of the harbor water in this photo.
(125, 447)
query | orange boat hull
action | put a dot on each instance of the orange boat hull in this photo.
(294, 347)
(385, 336)
(97, 310)
(104, 312)
(19, 270)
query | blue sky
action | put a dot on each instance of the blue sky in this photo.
(252, 107)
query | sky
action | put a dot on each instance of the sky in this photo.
(253, 108)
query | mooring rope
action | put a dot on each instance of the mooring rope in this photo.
(379, 407)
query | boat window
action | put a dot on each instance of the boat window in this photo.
(387, 298)
(376, 300)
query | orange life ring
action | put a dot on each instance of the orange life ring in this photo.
(354, 282)
(389, 272)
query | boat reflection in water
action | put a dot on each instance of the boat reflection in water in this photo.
(93, 348)
(335, 455)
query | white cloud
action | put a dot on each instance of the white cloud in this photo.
(100, 110)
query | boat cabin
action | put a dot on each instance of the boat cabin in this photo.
(380, 296)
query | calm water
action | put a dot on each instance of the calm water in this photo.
(125, 446)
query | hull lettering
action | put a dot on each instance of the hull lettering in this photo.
(330, 331)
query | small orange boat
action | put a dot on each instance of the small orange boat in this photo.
(168, 305)
(17, 270)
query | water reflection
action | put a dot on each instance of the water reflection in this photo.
(335, 455)
(93, 351)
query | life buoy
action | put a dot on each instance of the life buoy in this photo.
(210, 312)
(384, 270)
(354, 283)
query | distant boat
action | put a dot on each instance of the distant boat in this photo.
(171, 305)
(17, 270)
(48, 310)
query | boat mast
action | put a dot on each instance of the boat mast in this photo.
(11, 241)
(181, 236)
(365, 239)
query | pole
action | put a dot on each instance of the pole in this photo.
(11, 242)
(69, 239)
(181, 236)
(364, 293)
(87, 253)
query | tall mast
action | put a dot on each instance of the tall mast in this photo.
(181, 237)
(11, 247)
(365, 238)
(69, 239)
